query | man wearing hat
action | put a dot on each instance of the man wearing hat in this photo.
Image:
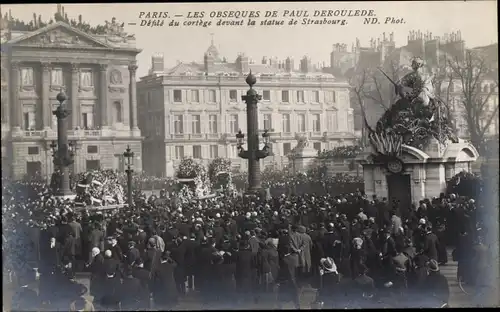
(437, 285)
(132, 253)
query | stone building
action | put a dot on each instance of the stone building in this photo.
(97, 73)
(195, 109)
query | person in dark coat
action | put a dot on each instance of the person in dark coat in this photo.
(329, 281)
(133, 296)
(221, 280)
(204, 263)
(288, 289)
(112, 244)
(111, 264)
(441, 240)
(270, 264)
(132, 253)
(76, 229)
(246, 269)
(164, 286)
(178, 254)
(431, 244)
(191, 246)
(110, 289)
(436, 287)
(96, 265)
(141, 273)
(69, 251)
(96, 237)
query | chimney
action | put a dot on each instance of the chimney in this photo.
(264, 60)
(208, 62)
(289, 66)
(243, 63)
(305, 65)
(157, 63)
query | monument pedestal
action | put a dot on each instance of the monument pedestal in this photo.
(424, 173)
(304, 159)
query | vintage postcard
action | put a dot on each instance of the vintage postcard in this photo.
(250, 155)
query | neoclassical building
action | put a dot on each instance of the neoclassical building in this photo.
(195, 109)
(97, 73)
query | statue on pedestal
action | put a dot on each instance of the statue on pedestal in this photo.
(416, 117)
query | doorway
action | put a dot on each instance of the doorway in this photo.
(93, 165)
(399, 187)
(33, 169)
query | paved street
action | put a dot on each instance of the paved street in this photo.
(457, 297)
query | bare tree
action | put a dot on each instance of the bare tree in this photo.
(381, 90)
(357, 83)
(443, 89)
(471, 73)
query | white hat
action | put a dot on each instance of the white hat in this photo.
(108, 253)
(217, 215)
(328, 264)
(422, 221)
(248, 215)
(254, 213)
(275, 213)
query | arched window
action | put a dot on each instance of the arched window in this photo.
(117, 108)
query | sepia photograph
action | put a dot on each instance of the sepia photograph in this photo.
(240, 156)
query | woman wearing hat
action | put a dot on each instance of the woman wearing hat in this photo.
(329, 280)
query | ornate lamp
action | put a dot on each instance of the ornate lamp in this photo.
(253, 154)
(63, 156)
(239, 139)
(129, 155)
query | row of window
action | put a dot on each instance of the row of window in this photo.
(86, 77)
(234, 126)
(35, 150)
(214, 150)
(86, 121)
(34, 168)
(286, 96)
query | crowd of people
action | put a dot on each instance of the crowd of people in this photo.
(236, 249)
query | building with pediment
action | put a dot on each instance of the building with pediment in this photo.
(195, 109)
(97, 73)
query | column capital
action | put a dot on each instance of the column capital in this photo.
(133, 68)
(103, 67)
(15, 64)
(45, 66)
(75, 67)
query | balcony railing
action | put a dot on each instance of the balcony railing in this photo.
(34, 133)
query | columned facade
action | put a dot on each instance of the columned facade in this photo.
(97, 75)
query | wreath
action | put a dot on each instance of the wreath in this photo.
(465, 184)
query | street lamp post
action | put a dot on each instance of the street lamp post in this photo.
(253, 153)
(129, 155)
(63, 154)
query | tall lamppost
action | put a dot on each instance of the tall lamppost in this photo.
(63, 152)
(129, 155)
(253, 153)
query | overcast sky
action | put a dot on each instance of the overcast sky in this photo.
(477, 21)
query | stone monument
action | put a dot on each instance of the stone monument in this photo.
(304, 155)
(413, 151)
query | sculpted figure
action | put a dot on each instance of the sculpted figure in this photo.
(416, 86)
(116, 77)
